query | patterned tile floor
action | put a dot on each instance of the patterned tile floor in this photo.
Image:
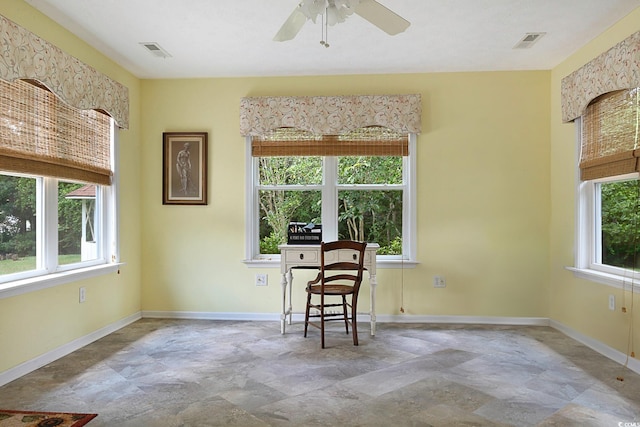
(214, 373)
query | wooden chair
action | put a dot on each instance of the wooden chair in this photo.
(341, 271)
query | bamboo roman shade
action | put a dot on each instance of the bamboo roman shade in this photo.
(610, 130)
(370, 141)
(41, 135)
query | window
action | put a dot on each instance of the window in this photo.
(49, 225)
(354, 196)
(608, 223)
(57, 204)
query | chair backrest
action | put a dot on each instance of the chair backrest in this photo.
(340, 257)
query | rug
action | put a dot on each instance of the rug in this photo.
(43, 419)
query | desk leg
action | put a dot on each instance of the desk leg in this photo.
(290, 280)
(373, 283)
(283, 315)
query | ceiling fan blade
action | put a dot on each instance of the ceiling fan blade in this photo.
(291, 26)
(383, 18)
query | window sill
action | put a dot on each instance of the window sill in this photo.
(274, 262)
(19, 287)
(614, 280)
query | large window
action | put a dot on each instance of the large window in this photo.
(609, 230)
(608, 226)
(49, 225)
(354, 196)
(57, 200)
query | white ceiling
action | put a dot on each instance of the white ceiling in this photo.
(217, 38)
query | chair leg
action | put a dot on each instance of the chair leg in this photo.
(344, 313)
(354, 319)
(322, 319)
(306, 314)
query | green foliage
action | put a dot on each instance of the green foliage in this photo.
(69, 220)
(27, 263)
(269, 244)
(620, 223)
(365, 215)
(394, 248)
(370, 170)
(23, 244)
(278, 208)
(9, 266)
(18, 217)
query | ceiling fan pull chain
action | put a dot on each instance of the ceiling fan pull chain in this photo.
(324, 28)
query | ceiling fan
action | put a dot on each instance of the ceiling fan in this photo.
(333, 12)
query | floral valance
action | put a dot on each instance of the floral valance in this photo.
(618, 68)
(330, 115)
(26, 56)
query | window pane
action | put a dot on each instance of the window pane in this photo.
(77, 240)
(370, 170)
(278, 208)
(620, 223)
(372, 216)
(17, 224)
(290, 170)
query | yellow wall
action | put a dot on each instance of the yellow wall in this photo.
(580, 304)
(38, 322)
(483, 195)
(495, 204)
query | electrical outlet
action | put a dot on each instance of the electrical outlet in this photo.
(612, 302)
(82, 295)
(439, 282)
(262, 279)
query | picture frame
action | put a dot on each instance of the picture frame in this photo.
(184, 168)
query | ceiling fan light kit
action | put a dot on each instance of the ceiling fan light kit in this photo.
(333, 12)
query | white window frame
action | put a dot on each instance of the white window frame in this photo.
(253, 258)
(48, 273)
(587, 261)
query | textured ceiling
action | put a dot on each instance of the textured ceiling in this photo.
(216, 38)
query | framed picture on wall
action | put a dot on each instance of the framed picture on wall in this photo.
(184, 168)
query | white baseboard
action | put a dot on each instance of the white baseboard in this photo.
(464, 320)
(204, 315)
(362, 317)
(46, 358)
(605, 350)
(40, 361)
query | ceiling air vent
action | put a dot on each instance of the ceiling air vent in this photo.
(528, 40)
(155, 49)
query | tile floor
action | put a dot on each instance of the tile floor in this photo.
(214, 373)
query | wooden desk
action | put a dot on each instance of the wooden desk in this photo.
(308, 256)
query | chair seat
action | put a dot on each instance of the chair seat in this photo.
(331, 289)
